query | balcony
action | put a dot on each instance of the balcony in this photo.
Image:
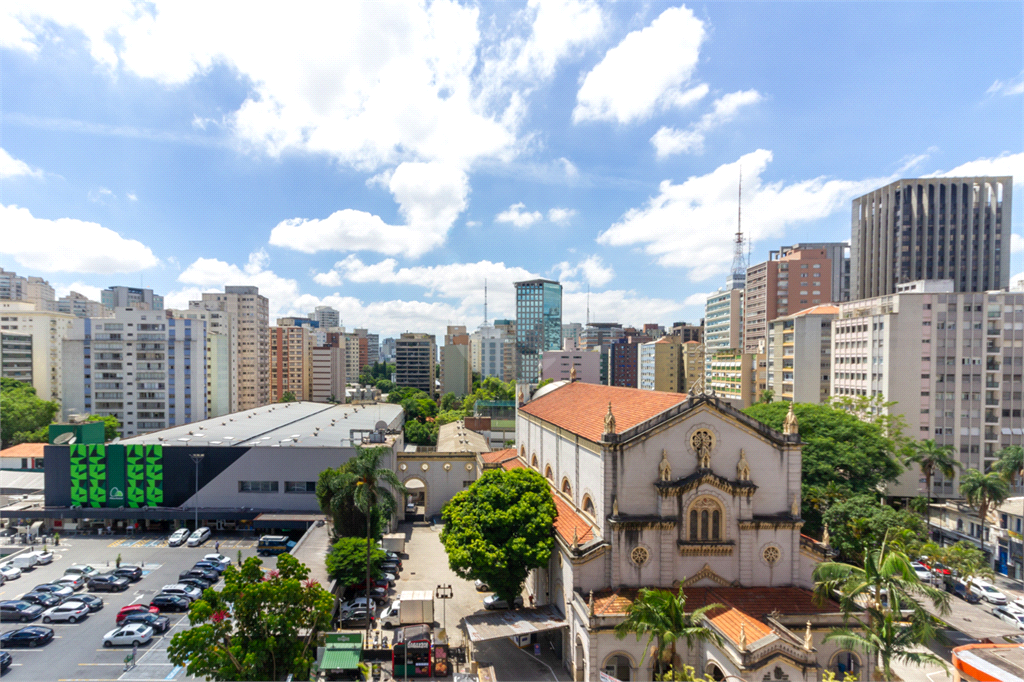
(992, 401)
(991, 384)
(993, 331)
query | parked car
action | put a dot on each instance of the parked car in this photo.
(921, 571)
(92, 601)
(158, 623)
(989, 593)
(936, 568)
(209, 576)
(493, 602)
(132, 573)
(178, 537)
(5, 661)
(71, 612)
(391, 566)
(1016, 604)
(959, 588)
(224, 561)
(481, 586)
(18, 610)
(197, 583)
(377, 594)
(180, 590)
(25, 562)
(390, 617)
(61, 590)
(128, 635)
(31, 636)
(357, 603)
(9, 571)
(81, 569)
(44, 599)
(199, 537)
(134, 608)
(73, 580)
(356, 618)
(43, 558)
(1013, 617)
(170, 602)
(108, 583)
(210, 566)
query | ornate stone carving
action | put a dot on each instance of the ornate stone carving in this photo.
(522, 398)
(705, 549)
(825, 536)
(794, 509)
(743, 467)
(575, 541)
(615, 506)
(590, 604)
(703, 442)
(705, 573)
(771, 555)
(572, 374)
(791, 426)
(639, 556)
(664, 469)
(743, 637)
(699, 478)
(808, 640)
(609, 420)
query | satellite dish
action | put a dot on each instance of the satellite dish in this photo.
(117, 439)
(64, 438)
(381, 425)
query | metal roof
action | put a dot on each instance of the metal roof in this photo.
(455, 437)
(306, 424)
(501, 624)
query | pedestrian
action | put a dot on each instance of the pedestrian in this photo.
(216, 546)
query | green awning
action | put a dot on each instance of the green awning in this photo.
(340, 659)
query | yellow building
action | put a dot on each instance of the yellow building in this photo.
(661, 365)
(692, 354)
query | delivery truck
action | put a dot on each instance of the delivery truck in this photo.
(410, 608)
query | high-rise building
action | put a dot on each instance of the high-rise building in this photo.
(326, 316)
(328, 374)
(654, 330)
(932, 229)
(510, 357)
(624, 360)
(34, 290)
(373, 348)
(48, 330)
(952, 362)
(661, 365)
(221, 357)
(131, 297)
(415, 358)
(729, 373)
(723, 320)
(799, 355)
(571, 330)
(538, 325)
(456, 362)
(293, 321)
(291, 362)
(686, 331)
(16, 356)
(693, 364)
(140, 366)
(80, 306)
(387, 350)
(251, 314)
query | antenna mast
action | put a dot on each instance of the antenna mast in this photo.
(739, 265)
(485, 302)
(588, 304)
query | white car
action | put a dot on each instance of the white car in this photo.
(1016, 605)
(180, 590)
(1009, 616)
(923, 574)
(357, 603)
(133, 633)
(989, 593)
(199, 537)
(218, 559)
(43, 558)
(178, 537)
(75, 582)
(10, 571)
(71, 612)
(81, 569)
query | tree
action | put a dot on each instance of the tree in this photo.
(877, 410)
(346, 560)
(661, 616)
(111, 427)
(983, 491)
(385, 385)
(544, 382)
(367, 479)
(861, 522)
(258, 627)
(933, 458)
(449, 401)
(26, 417)
(889, 639)
(1011, 462)
(334, 493)
(767, 396)
(419, 433)
(500, 528)
(967, 562)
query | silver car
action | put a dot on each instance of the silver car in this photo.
(199, 537)
(74, 581)
(70, 612)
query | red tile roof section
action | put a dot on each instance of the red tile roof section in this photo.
(511, 464)
(580, 408)
(568, 520)
(498, 456)
(24, 450)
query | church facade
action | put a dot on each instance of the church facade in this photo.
(676, 492)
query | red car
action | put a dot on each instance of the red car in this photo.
(135, 608)
(936, 568)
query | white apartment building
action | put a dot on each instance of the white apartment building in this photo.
(487, 345)
(80, 306)
(48, 329)
(326, 316)
(723, 320)
(140, 366)
(800, 355)
(221, 357)
(251, 313)
(34, 290)
(328, 374)
(951, 361)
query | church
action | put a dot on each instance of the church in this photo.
(683, 493)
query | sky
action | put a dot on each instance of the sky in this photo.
(388, 158)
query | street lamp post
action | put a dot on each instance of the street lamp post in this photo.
(444, 593)
(197, 457)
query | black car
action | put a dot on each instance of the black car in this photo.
(211, 566)
(31, 636)
(108, 583)
(197, 583)
(158, 623)
(5, 661)
(391, 567)
(91, 600)
(44, 599)
(132, 573)
(378, 594)
(169, 602)
(209, 576)
(17, 610)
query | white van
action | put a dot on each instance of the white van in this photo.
(25, 561)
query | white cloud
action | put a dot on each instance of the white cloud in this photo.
(645, 72)
(571, 171)
(1017, 281)
(1014, 86)
(131, 197)
(430, 197)
(517, 217)
(87, 290)
(69, 245)
(327, 279)
(696, 300)
(11, 167)
(672, 141)
(561, 216)
(211, 273)
(691, 225)
(1005, 164)
(592, 269)
(472, 223)
(625, 307)
(1016, 243)
(101, 195)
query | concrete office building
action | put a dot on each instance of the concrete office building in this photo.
(951, 361)
(415, 357)
(131, 297)
(16, 356)
(328, 374)
(492, 351)
(326, 316)
(538, 325)
(221, 357)
(572, 330)
(557, 365)
(251, 314)
(80, 306)
(387, 350)
(723, 321)
(932, 229)
(624, 361)
(510, 360)
(800, 355)
(291, 362)
(48, 330)
(692, 354)
(661, 365)
(34, 290)
(456, 362)
(140, 366)
(686, 331)
(730, 374)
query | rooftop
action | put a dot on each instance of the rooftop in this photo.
(1002, 662)
(569, 521)
(24, 450)
(455, 437)
(823, 309)
(306, 424)
(498, 456)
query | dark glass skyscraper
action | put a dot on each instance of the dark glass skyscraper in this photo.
(538, 324)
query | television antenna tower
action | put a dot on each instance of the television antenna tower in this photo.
(739, 260)
(485, 302)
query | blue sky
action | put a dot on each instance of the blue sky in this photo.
(386, 159)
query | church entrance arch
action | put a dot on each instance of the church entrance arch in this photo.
(418, 495)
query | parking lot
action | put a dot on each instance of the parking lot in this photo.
(77, 651)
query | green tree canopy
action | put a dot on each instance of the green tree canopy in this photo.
(933, 459)
(287, 397)
(111, 427)
(500, 528)
(260, 626)
(334, 493)
(26, 417)
(1011, 462)
(861, 522)
(967, 562)
(983, 491)
(419, 433)
(346, 561)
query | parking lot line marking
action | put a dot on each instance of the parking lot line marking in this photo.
(174, 673)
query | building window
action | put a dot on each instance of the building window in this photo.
(306, 487)
(257, 486)
(566, 487)
(547, 473)
(588, 506)
(706, 521)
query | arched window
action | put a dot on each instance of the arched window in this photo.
(566, 487)
(588, 505)
(845, 662)
(706, 521)
(522, 451)
(715, 672)
(534, 462)
(694, 535)
(547, 473)
(618, 667)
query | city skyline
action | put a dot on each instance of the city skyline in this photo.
(572, 143)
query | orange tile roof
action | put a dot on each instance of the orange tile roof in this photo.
(24, 450)
(746, 605)
(510, 464)
(498, 456)
(580, 408)
(568, 520)
(824, 309)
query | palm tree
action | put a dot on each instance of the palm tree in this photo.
(886, 635)
(933, 458)
(983, 491)
(968, 562)
(366, 480)
(1011, 462)
(661, 616)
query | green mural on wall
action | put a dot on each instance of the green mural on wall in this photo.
(97, 475)
(79, 475)
(115, 475)
(136, 474)
(154, 475)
